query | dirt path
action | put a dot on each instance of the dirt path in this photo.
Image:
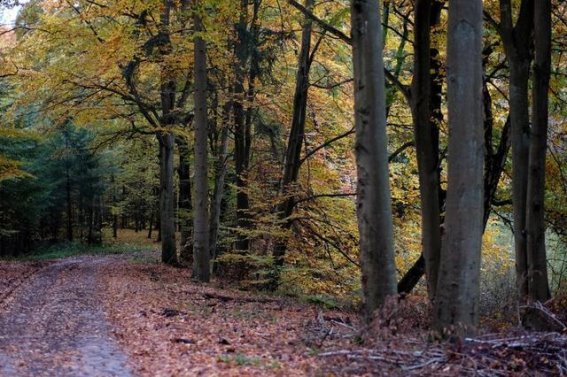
(54, 325)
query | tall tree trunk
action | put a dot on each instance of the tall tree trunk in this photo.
(166, 200)
(458, 289)
(292, 161)
(495, 160)
(185, 207)
(201, 253)
(373, 192)
(519, 117)
(538, 284)
(426, 143)
(218, 191)
(166, 140)
(434, 74)
(242, 149)
(515, 39)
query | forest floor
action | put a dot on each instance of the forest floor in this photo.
(122, 315)
(52, 323)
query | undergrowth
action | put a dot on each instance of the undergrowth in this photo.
(128, 241)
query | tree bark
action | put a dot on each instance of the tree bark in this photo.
(166, 140)
(184, 215)
(458, 290)
(538, 284)
(515, 39)
(218, 191)
(373, 191)
(201, 253)
(292, 161)
(166, 201)
(426, 142)
(495, 160)
(408, 282)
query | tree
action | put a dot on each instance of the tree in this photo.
(538, 285)
(515, 38)
(424, 93)
(201, 253)
(221, 152)
(292, 160)
(458, 289)
(373, 189)
(242, 127)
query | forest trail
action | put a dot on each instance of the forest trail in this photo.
(53, 324)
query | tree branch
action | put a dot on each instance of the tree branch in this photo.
(322, 24)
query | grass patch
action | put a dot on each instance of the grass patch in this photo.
(241, 360)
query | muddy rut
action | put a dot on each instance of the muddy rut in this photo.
(54, 325)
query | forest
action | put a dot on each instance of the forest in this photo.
(384, 180)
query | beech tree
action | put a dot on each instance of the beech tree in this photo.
(242, 124)
(292, 160)
(456, 304)
(538, 285)
(201, 253)
(425, 106)
(373, 188)
(515, 37)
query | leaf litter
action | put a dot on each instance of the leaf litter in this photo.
(131, 315)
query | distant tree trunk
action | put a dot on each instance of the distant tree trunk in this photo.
(538, 284)
(292, 161)
(515, 39)
(218, 191)
(151, 224)
(167, 203)
(114, 226)
(114, 215)
(158, 227)
(201, 253)
(185, 207)
(124, 219)
(241, 139)
(69, 205)
(98, 220)
(458, 289)
(373, 192)
(426, 142)
(91, 225)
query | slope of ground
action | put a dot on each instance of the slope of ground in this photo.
(170, 326)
